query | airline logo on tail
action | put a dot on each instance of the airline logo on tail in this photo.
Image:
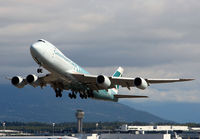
(118, 73)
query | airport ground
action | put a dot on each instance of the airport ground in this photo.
(37, 128)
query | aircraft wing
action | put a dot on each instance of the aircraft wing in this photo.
(91, 81)
(53, 80)
(123, 81)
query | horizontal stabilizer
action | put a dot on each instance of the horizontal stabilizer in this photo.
(129, 96)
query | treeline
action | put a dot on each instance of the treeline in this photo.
(68, 128)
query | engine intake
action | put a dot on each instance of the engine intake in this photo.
(31, 78)
(18, 81)
(140, 83)
(103, 81)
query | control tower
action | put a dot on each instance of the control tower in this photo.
(79, 116)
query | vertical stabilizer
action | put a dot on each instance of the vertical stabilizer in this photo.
(118, 73)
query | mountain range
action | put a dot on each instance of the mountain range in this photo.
(41, 105)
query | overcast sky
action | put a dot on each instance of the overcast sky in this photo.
(149, 38)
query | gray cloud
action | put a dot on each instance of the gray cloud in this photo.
(149, 38)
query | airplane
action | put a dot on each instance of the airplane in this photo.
(64, 74)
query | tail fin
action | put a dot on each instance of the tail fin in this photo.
(118, 73)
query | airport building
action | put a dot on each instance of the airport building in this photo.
(13, 133)
(156, 128)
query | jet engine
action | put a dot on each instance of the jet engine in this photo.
(140, 83)
(18, 81)
(31, 78)
(103, 81)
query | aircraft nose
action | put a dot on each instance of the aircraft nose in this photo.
(33, 49)
(36, 49)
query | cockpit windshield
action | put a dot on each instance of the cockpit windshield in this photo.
(41, 41)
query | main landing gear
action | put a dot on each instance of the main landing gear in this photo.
(58, 92)
(72, 95)
(83, 95)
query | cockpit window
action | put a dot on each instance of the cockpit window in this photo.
(41, 41)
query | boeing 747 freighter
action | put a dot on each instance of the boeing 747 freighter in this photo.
(64, 74)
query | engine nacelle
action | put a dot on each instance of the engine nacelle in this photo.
(140, 83)
(31, 78)
(18, 81)
(103, 81)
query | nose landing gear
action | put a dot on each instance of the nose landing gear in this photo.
(39, 70)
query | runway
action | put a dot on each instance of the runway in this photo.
(37, 137)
